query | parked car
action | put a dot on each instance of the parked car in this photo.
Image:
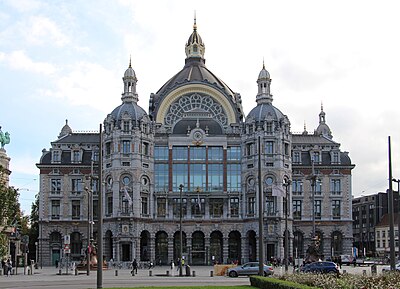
(320, 267)
(250, 268)
(387, 268)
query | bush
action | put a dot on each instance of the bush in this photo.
(272, 283)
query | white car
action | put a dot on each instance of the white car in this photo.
(387, 268)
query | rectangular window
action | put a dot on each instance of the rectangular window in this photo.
(126, 126)
(56, 156)
(95, 209)
(234, 206)
(335, 158)
(145, 205)
(180, 153)
(316, 157)
(197, 206)
(269, 147)
(297, 187)
(161, 207)
(161, 153)
(378, 243)
(146, 149)
(76, 209)
(336, 209)
(250, 149)
(270, 205)
(269, 127)
(318, 187)
(286, 149)
(384, 243)
(108, 149)
(233, 177)
(317, 208)
(198, 154)
(56, 186)
(215, 154)
(197, 177)
(55, 209)
(161, 177)
(216, 207)
(233, 153)
(176, 207)
(126, 146)
(296, 157)
(109, 204)
(179, 176)
(383, 234)
(215, 177)
(251, 203)
(76, 186)
(95, 156)
(297, 207)
(335, 187)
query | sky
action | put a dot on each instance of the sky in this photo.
(65, 60)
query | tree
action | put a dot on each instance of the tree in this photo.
(34, 228)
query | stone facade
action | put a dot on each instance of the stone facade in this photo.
(194, 160)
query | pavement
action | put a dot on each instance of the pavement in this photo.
(48, 278)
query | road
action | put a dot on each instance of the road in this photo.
(47, 278)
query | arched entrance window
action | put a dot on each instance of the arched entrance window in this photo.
(337, 243)
(76, 245)
(55, 247)
(108, 245)
(198, 248)
(298, 244)
(177, 245)
(161, 248)
(145, 246)
(252, 245)
(234, 247)
(216, 252)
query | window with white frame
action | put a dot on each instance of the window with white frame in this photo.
(269, 147)
(76, 156)
(297, 187)
(336, 209)
(335, 187)
(76, 209)
(56, 156)
(318, 209)
(296, 158)
(126, 146)
(55, 186)
(76, 185)
(297, 207)
(55, 209)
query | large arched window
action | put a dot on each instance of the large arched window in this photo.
(198, 248)
(162, 248)
(234, 247)
(216, 252)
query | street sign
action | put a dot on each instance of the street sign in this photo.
(67, 249)
(67, 239)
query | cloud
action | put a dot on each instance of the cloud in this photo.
(18, 60)
(42, 30)
(25, 6)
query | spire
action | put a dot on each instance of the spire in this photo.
(323, 128)
(130, 80)
(66, 130)
(305, 128)
(322, 114)
(195, 47)
(264, 83)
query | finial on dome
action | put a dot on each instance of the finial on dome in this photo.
(263, 63)
(322, 106)
(194, 23)
(66, 122)
(130, 60)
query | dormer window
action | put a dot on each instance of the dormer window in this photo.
(76, 156)
(56, 156)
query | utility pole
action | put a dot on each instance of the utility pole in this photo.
(100, 216)
(391, 212)
(398, 213)
(180, 231)
(286, 248)
(260, 215)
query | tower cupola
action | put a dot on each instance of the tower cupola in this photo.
(264, 83)
(130, 80)
(195, 46)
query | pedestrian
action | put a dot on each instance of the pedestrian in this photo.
(340, 262)
(9, 267)
(134, 266)
(56, 262)
(179, 264)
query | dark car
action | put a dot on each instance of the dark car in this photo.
(320, 267)
(250, 268)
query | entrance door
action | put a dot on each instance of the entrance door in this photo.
(270, 251)
(126, 252)
(55, 256)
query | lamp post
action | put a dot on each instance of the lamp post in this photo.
(88, 250)
(36, 254)
(398, 213)
(180, 231)
(41, 243)
(286, 184)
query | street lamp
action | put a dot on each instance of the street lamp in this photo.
(36, 254)
(286, 184)
(180, 230)
(398, 212)
(88, 250)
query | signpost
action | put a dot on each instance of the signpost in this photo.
(67, 250)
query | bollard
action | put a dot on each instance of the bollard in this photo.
(150, 273)
(29, 271)
(344, 271)
(76, 272)
(364, 272)
(116, 272)
(194, 273)
(59, 272)
(211, 273)
(167, 273)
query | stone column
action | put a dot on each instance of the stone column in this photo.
(5, 162)
(244, 250)
(225, 250)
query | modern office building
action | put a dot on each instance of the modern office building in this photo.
(195, 157)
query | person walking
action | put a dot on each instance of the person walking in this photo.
(9, 267)
(134, 266)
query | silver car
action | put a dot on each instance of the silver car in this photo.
(387, 268)
(250, 268)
